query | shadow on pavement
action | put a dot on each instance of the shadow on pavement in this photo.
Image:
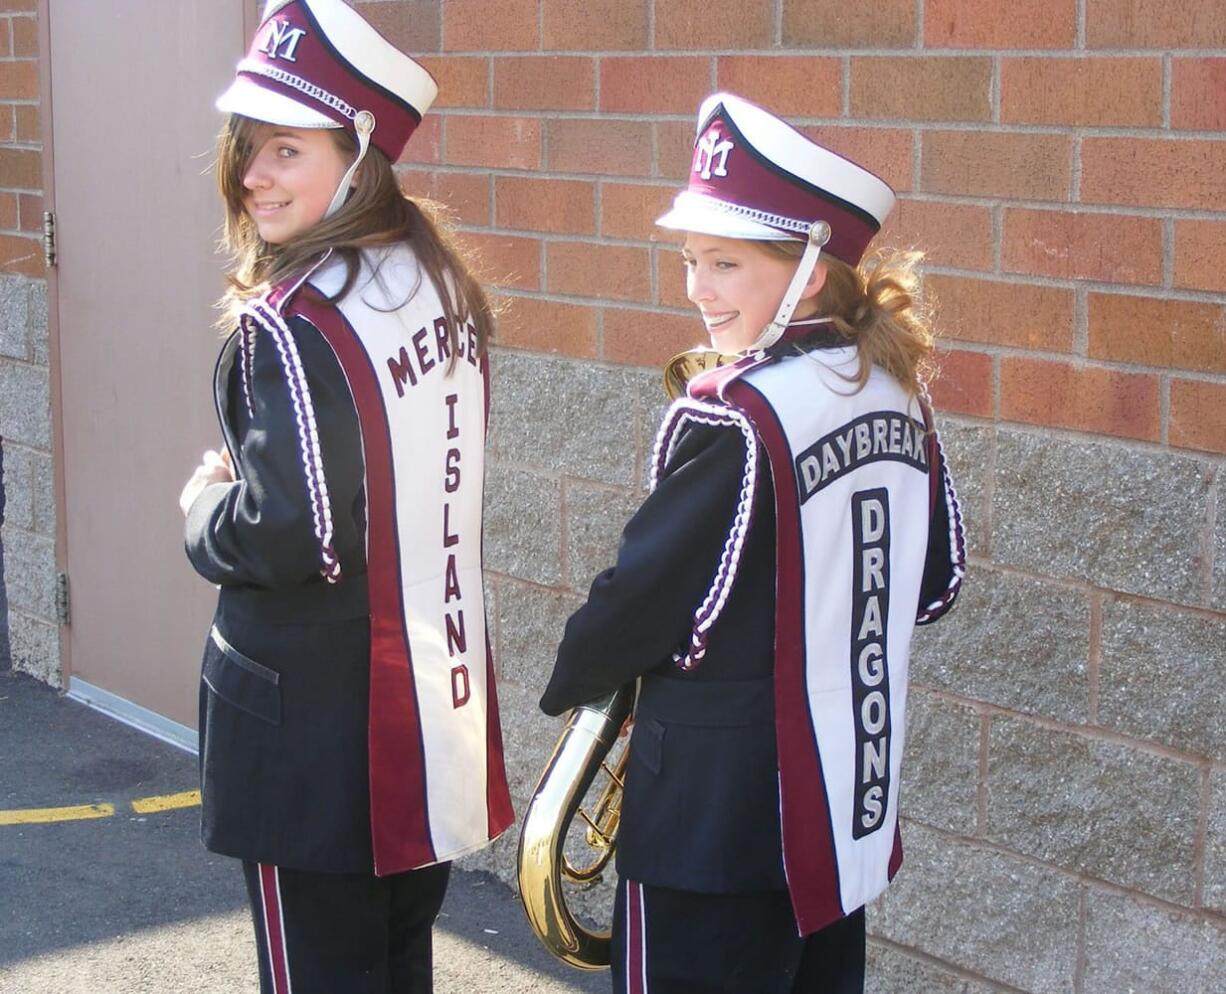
(76, 882)
(88, 895)
(481, 910)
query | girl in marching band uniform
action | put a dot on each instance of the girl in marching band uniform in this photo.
(801, 523)
(349, 738)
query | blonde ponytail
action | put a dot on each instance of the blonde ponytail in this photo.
(879, 306)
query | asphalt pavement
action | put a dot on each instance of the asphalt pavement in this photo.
(121, 897)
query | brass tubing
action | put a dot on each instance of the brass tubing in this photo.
(590, 732)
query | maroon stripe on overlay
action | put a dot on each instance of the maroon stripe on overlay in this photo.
(497, 793)
(809, 854)
(399, 815)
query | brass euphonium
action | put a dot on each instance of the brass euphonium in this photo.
(684, 366)
(591, 730)
(581, 753)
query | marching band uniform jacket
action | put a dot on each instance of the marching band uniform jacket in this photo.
(285, 681)
(701, 803)
(348, 715)
(701, 807)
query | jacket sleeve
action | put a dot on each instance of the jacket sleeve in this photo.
(262, 529)
(641, 611)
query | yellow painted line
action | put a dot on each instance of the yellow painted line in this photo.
(86, 812)
(166, 802)
(36, 816)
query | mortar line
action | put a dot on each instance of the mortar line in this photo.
(1167, 73)
(1208, 544)
(1094, 656)
(1164, 408)
(981, 793)
(1209, 916)
(994, 89)
(1200, 842)
(929, 959)
(1081, 322)
(564, 532)
(1168, 253)
(1081, 961)
(1087, 731)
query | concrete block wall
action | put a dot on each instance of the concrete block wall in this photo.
(28, 533)
(1062, 163)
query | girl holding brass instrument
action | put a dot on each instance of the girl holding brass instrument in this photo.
(349, 738)
(802, 521)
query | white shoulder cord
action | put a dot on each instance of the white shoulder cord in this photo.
(270, 319)
(708, 612)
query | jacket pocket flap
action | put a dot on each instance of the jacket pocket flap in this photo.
(241, 681)
(647, 743)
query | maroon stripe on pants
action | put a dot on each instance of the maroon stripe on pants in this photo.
(636, 941)
(270, 895)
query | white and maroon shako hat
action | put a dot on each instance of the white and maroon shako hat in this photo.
(320, 64)
(755, 176)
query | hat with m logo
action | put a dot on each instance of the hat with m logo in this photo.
(754, 176)
(320, 64)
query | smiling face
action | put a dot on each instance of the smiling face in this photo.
(290, 179)
(738, 285)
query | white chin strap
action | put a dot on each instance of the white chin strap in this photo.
(364, 125)
(819, 235)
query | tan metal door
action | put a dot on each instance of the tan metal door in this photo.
(132, 88)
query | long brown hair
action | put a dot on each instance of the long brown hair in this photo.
(880, 307)
(376, 213)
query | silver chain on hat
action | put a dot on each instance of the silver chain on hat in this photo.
(299, 84)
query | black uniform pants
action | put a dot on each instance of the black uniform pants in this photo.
(678, 942)
(341, 933)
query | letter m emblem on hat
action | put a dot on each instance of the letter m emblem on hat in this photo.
(282, 40)
(709, 149)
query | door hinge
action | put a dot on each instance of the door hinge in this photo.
(61, 598)
(49, 250)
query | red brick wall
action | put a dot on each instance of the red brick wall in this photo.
(1063, 163)
(21, 193)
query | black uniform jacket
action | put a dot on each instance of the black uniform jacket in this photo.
(701, 806)
(285, 682)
